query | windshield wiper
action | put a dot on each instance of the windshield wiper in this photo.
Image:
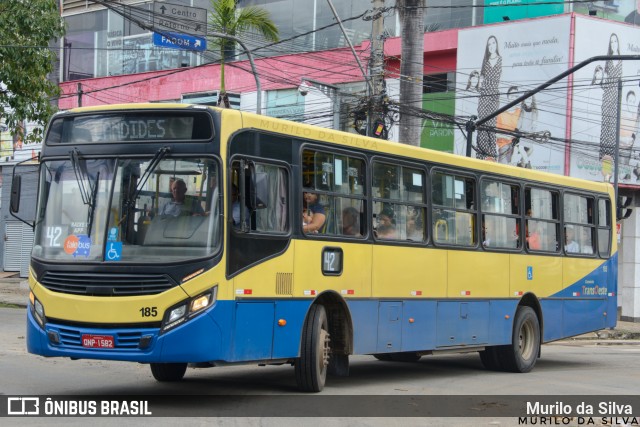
(130, 203)
(88, 194)
(81, 175)
(92, 204)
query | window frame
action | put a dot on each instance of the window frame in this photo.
(518, 217)
(608, 226)
(592, 226)
(332, 194)
(238, 159)
(424, 206)
(558, 222)
(474, 212)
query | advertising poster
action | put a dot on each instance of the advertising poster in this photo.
(613, 10)
(498, 63)
(594, 126)
(519, 9)
(438, 135)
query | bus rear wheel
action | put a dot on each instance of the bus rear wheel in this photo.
(315, 351)
(522, 354)
(167, 372)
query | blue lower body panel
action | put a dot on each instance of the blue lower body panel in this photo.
(229, 331)
(260, 330)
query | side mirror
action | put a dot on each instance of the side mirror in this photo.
(259, 189)
(25, 208)
(16, 186)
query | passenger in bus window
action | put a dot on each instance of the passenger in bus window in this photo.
(313, 214)
(351, 222)
(177, 206)
(570, 245)
(386, 224)
(486, 238)
(532, 235)
(587, 242)
(415, 227)
(236, 206)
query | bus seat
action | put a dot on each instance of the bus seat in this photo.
(177, 231)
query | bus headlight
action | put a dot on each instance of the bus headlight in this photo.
(37, 309)
(188, 309)
(177, 313)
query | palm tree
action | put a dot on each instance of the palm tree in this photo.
(227, 19)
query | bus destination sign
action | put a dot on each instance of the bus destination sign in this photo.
(131, 127)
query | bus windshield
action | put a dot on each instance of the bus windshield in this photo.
(152, 210)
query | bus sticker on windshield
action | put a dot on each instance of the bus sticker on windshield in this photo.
(113, 234)
(53, 236)
(113, 251)
(77, 245)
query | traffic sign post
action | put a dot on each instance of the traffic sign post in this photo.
(179, 19)
(179, 41)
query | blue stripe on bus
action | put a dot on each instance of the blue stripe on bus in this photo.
(235, 331)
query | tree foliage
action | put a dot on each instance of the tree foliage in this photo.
(26, 27)
(227, 19)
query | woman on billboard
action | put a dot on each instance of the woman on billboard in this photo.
(489, 100)
(610, 101)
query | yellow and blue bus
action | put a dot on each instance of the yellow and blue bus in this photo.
(174, 235)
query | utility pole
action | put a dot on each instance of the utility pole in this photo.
(376, 62)
(411, 69)
(79, 94)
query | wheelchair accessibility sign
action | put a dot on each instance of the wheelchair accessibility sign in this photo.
(113, 251)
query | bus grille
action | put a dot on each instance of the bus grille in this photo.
(122, 340)
(112, 285)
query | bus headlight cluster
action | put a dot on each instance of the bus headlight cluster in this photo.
(187, 309)
(37, 310)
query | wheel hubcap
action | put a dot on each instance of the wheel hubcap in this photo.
(326, 349)
(525, 341)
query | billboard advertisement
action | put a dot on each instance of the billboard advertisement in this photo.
(438, 135)
(498, 63)
(606, 93)
(498, 10)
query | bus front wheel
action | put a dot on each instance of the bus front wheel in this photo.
(166, 372)
(311, 366)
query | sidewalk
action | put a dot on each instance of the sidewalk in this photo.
(15, 291)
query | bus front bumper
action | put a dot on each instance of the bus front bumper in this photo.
(198, 340)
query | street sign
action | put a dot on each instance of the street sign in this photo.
(179, 41)
(179, 19)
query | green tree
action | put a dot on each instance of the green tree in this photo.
(26, 27)
(227, 19)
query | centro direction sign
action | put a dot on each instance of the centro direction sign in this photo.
(179, 19)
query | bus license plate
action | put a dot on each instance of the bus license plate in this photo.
(97, 341)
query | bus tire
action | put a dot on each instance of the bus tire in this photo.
(311, 366)
(168, 372)
(490, 359)
(522, 353)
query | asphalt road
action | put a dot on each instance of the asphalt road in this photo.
(566, 368)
